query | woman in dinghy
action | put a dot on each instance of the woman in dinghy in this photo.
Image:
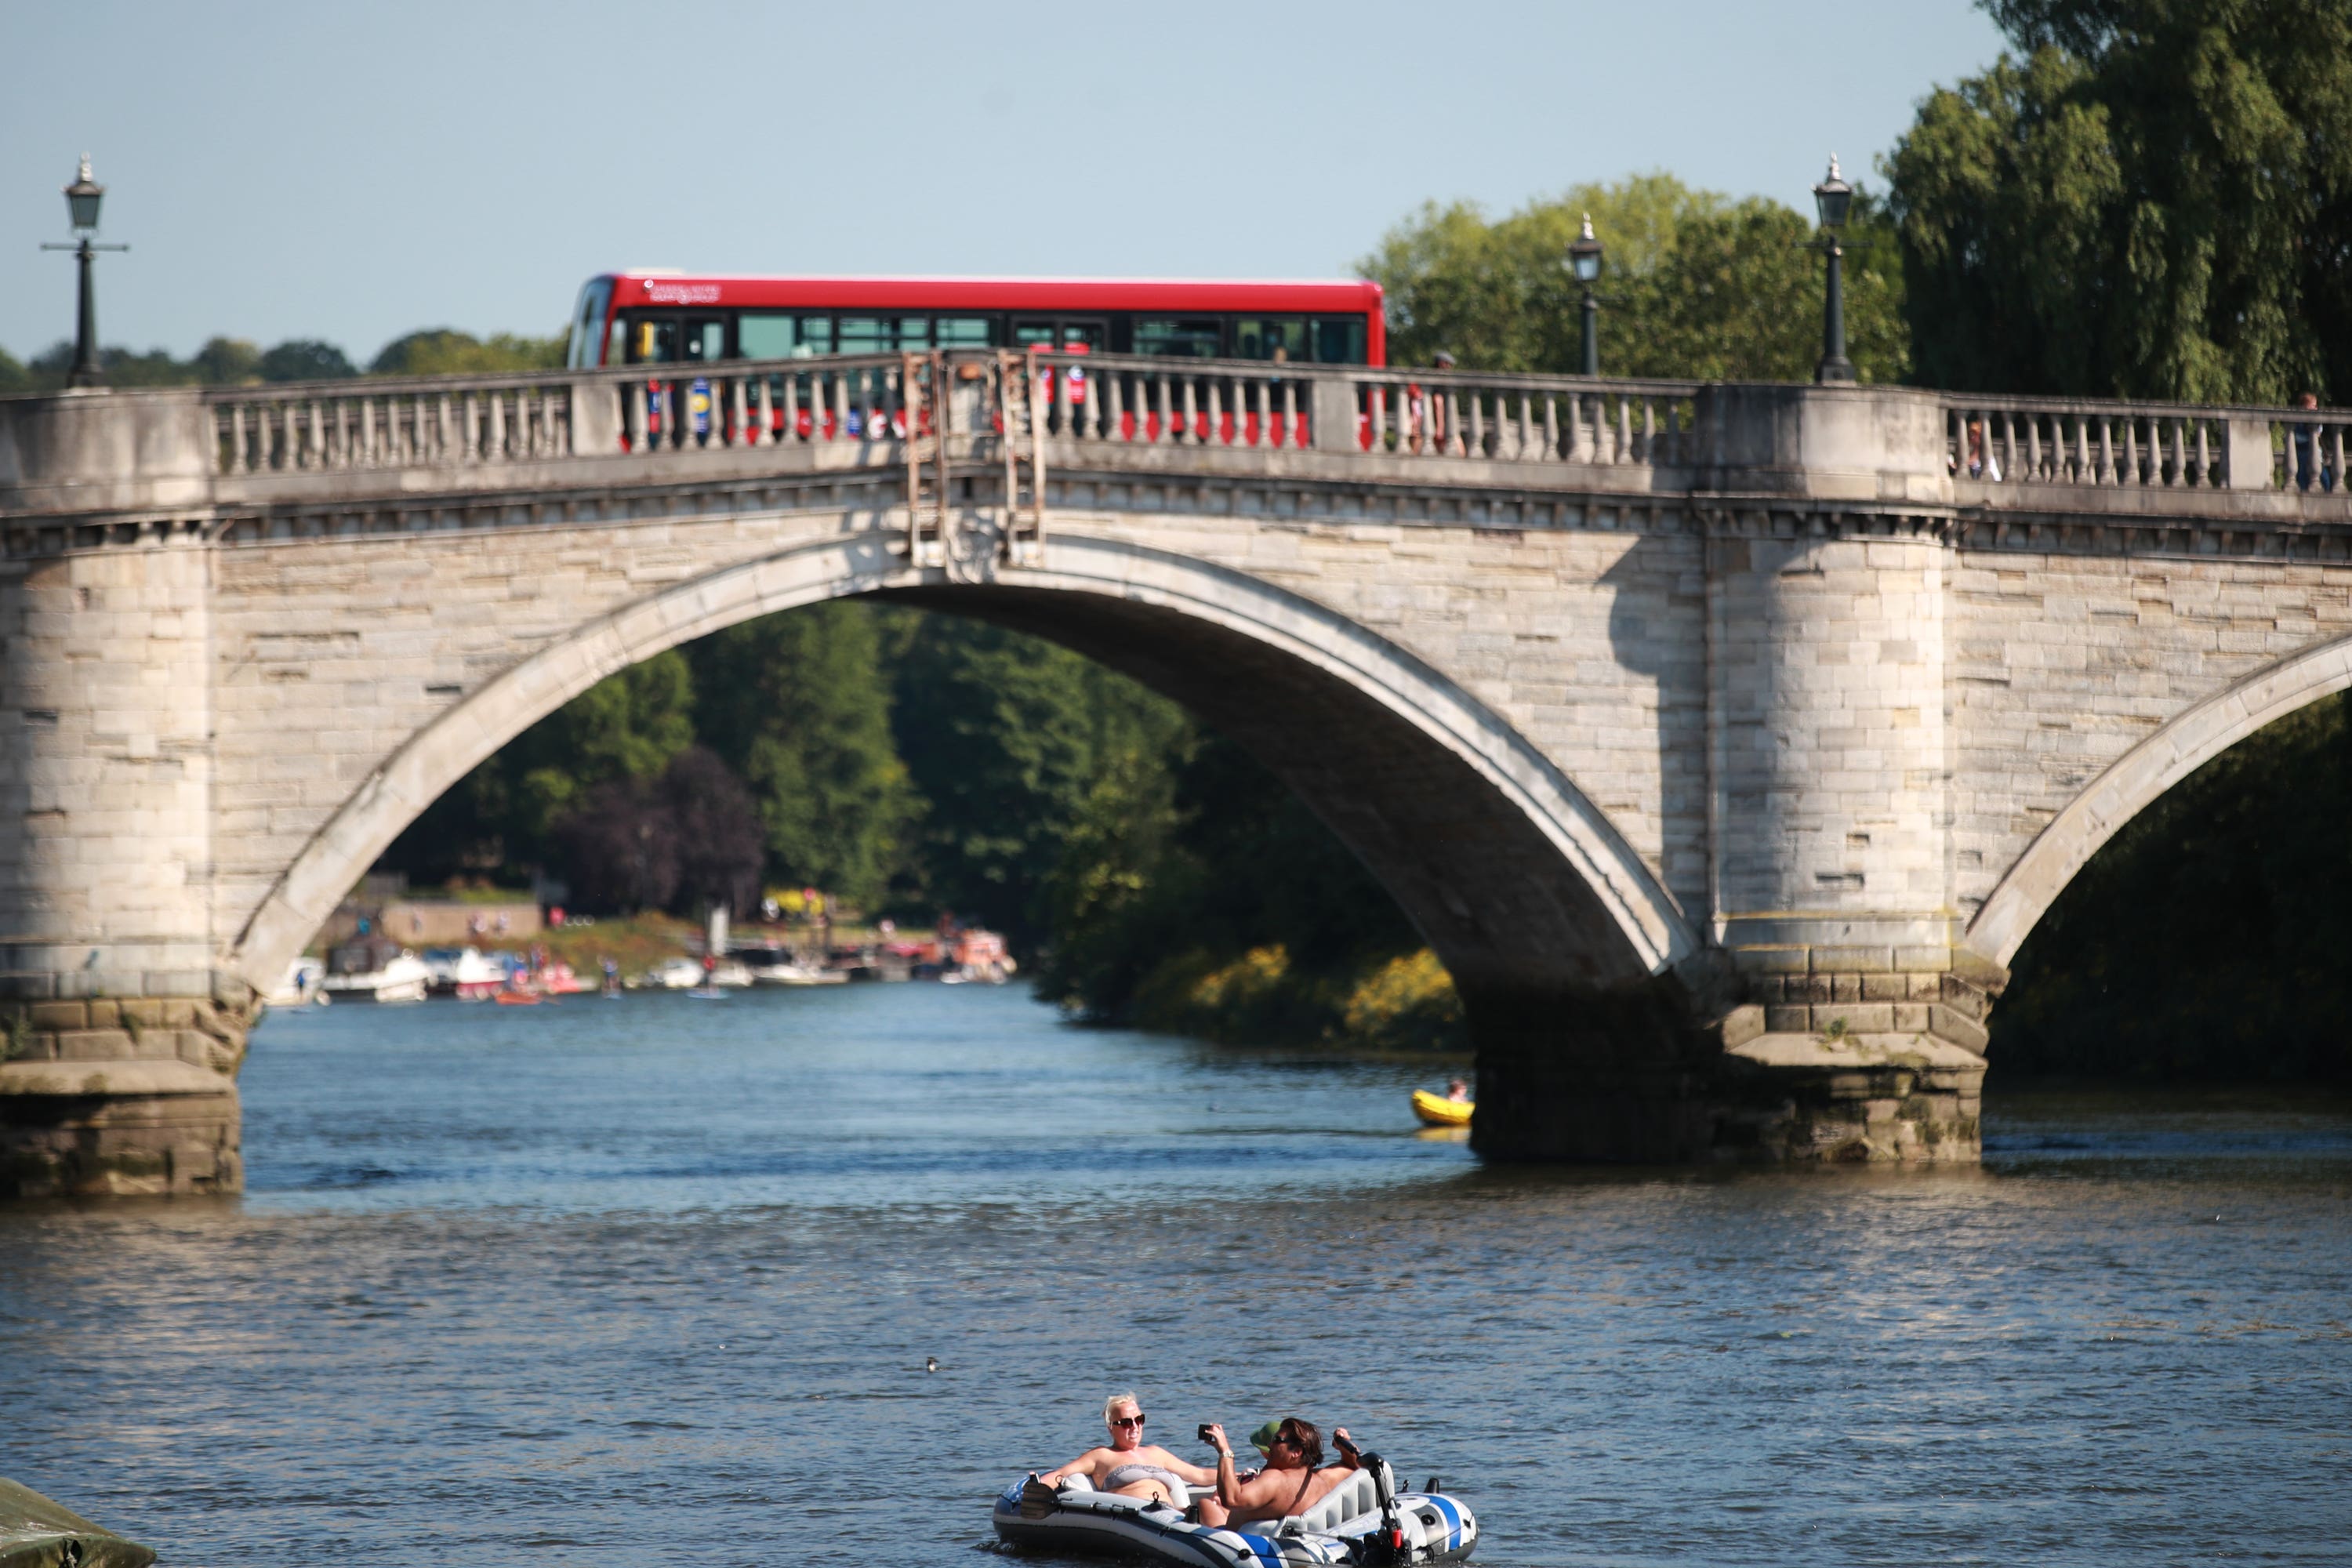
(1130, 1467)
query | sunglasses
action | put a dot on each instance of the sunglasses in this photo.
(1286, 1440)
(1135, 1420)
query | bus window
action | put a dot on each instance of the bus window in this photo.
(816, 337)
(1340, 339)
(1261, 337)
(965, 332)
(1189, 337)
(864, 335)
(652, 340)
(1082, 335)
(588, 324)
(706, 337)
(767, 334)
(914, 332)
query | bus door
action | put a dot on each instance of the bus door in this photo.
(1069, 335)
(701, 340)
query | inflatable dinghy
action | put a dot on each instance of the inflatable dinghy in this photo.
(1436, 1110)
(1362, 1520)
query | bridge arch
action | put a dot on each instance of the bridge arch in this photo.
(2134, 781)
(1512, 874)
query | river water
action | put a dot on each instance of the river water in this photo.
(654, 1280)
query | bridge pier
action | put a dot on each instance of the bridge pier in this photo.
(119, 1044)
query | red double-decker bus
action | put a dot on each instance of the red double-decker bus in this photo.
(664, 318)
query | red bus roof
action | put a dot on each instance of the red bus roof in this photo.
(1043, 295)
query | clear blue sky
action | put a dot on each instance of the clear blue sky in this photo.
(348, 173)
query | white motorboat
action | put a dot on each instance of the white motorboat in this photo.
(788, 971)
(465, 973)
(730, 974)
(673, 975)
(1364, 1521)
(402, 978)
(301, 985)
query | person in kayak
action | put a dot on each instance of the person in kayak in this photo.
(1290, 1483)
(1130, 1465)
(1457, 1092)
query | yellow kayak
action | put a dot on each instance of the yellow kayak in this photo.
(1440, 1112)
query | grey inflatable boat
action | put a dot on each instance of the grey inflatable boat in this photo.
(1364, 1521)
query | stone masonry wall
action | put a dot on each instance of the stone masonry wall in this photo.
(2062, 663)
(331, 653)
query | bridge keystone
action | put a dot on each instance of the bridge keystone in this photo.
(1724, 741)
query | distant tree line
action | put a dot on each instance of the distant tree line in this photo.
(235, 362)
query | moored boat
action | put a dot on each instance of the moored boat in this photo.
(402, 978)
(463, 972)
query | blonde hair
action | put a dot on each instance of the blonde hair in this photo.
(1115, 1400)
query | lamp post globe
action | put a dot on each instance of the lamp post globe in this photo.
(82, 197)
(1831, 199)
(1584, 261)
(81, 206)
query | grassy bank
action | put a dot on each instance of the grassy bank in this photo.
(1402, 1004)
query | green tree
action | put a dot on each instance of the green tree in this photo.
(444, 351)
(1697, 284)
(798, 705)
(305, 358)
(2155, 200)
(14, 376)
(627, 727)
(227, 362)
(2208, 939)
(1005, 736)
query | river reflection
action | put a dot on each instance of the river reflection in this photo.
(658, 1277)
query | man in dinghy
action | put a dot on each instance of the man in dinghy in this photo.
(1130, 1465)
(1289, 1484)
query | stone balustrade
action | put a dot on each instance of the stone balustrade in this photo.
(1095, 400)
(2124, 446)
(1098, 401)
(431, 422)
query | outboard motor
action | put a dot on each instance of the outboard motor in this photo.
(1384, 1547)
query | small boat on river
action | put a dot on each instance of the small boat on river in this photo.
(1437, 1111)
(402, 978)
(1362, 1520)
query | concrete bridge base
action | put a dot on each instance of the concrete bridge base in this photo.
(1628, 1078)
(124, 1098)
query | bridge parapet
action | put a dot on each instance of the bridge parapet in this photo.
(92, 455)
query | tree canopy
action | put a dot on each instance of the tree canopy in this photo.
(444, 351)
(1694, 284)
(2154, 200)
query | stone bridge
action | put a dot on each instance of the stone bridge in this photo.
(1724, 741)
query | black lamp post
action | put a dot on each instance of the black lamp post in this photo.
(1832, 196)
(1584, 260)
(81, 206)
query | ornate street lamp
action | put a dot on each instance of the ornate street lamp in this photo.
(1832, 197)
(1584, 260)
(81, 206)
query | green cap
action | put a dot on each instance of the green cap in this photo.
(1263, 1438)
